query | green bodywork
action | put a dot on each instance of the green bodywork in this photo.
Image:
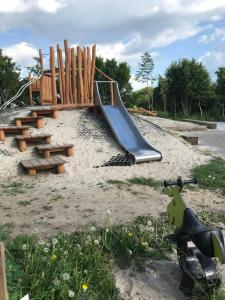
(176, 207)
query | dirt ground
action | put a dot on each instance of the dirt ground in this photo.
(80, 197)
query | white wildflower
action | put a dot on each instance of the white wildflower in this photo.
(41, 242)
(130, 252)
(141, 228)
(48, 245)
(151, 229)
(149, 223)
(66, 276)
(107, 230)
(54, 241)
(35, 230)
(24, 247)
(108, 212)
(57, 282)
(71, 294)
(46, 250)
(66, 252)
(93, 229)
(96, 242)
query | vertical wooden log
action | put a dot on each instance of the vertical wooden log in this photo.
(70, 75)
(52, 68)
(80, 85)
(30, 91)
(60, 75)
(85, 74)
(67, 75)
(92, 73)
(41, 79)
(73, 75)
(3, 280)
(89, 71)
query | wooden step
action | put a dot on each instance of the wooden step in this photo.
(51, 112)
(37, 121)
(23, 140)
(24, 130)
(33, 165)
(46, 150)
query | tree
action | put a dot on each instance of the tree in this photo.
(9, 78)
(120, 72)
(220, 87)
(144, 74)
(163, 87)
(188, 84)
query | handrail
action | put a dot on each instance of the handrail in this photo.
(103, 74)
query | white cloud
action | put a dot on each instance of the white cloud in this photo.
(22, 54)
(213, 60)
(22, 6)
(218, 35)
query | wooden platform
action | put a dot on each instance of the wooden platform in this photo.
(193, 140)
(33, 165)
(37, 121)
(51, 112)
(23, 140)
(24, 130)
(46, 150)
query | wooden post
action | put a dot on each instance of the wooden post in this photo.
(41, 79)
(88, 71)
(73, 75)
(52, 67)
(112, 92)
(85, 77)
(80, 85)
(92, 73)
(30, 91)
(70, 76)
(67, 76)
(60, 74)
(3, 280)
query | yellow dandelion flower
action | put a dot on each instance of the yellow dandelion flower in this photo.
(84, 287)
(130, 234)
(53, 257)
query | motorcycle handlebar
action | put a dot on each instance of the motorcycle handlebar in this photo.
(180, 182)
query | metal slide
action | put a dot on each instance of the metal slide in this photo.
(124, 129)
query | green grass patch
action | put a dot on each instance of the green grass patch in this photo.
(81, 264)
(146, 181)
(14, 188)
(211, 175)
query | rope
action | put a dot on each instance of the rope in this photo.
(20, 91)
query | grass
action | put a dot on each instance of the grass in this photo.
(145, 181)
(14, 188)
(211, 175)
(81, 264)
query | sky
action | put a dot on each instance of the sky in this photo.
(122, 29)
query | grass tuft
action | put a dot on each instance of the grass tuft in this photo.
(211, 175)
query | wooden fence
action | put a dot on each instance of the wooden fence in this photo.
(69, 82)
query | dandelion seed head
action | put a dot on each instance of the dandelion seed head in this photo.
(71, 294)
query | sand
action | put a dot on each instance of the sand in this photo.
(80, 197)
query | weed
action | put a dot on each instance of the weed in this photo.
(24, 203)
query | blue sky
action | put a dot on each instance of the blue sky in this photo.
(170, 30)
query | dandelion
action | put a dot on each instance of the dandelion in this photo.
(210, 176)
(66, 276)
(24, 247)
(54, 241)
(46, 250)
(151, 229)
(57, 282)
(84, 287)
(107, 230)
(71, 294)
(66, 252)
(41, 242)
(93, 229)
(53, 257)
(130, 252)
(48, 245)
(144, 244)
(149, 223)
(35, 230)
(130, 234)
(108, 212)
(141, 228)
(96, 242)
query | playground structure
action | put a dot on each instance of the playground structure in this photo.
(69, 82)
